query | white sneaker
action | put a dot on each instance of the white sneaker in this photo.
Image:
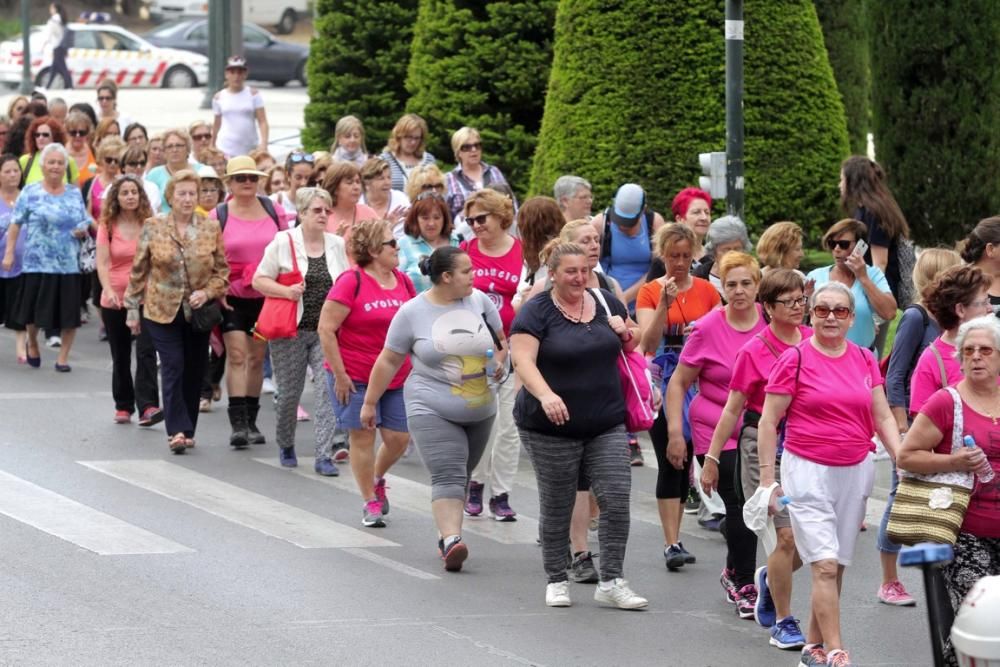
(620, 595)
(557, 594)
(53, 341)
(267, 387)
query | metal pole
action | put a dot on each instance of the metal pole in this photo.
(734, 108)
(214, 43)
(27, 85)
(235, 29)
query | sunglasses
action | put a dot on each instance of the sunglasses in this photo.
(391, 243)
(466, 148)
(105, 98)
(202, 137)
(301, 157)
(319, 210)
(791, 303)
(175, 147)
(475, 220)
(973, 350)
(43, 135)
(134, 165)
(823, 312)
(78, 133)
(429, 195)
(110, 161)
(842, 244)
(246, 178)
(432, 186)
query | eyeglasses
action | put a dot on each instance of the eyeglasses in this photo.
(979, 304)
(175, 147)
(391, 243)
(301, 157)
(209, 191)
(110, 161)
(840, 312)
(475, 220)
(432, 186)
(791, 303)
(843, 244)
(78, 133)
(134, 165)
(973, 350)
(413, 137)
(245, 178)
(429, 195)
(105, 98)
(319, 210)
(202, 137)
(43, 135)
(467, 148)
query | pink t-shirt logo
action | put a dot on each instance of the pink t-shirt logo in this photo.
(382, 303)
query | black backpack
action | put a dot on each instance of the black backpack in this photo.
(222, 211)
(648, 215)
(68, 39)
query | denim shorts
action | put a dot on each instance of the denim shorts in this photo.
(390, 411)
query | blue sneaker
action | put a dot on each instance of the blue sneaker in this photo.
(287, 457)
(763, 610)
(326, 467)
(786, 635)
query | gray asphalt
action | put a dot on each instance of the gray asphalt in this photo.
(233, 595)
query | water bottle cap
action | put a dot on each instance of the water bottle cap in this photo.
(969, 441)
(489, 353)
(784, 500)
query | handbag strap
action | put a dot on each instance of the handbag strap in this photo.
(940, 362)
(957, 422)
(291, 246)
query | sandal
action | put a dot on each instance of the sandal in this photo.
(188, 442)
(178, 443)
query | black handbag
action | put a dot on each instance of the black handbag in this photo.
(209, 315)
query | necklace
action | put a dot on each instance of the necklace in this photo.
(571, 318)
(379, 280)
(989, 413)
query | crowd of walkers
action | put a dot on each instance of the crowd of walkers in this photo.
(433, 309)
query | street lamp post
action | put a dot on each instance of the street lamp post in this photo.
(734, 108)
(225, 26)
(26, 83)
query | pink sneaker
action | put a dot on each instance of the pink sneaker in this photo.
(301, 415)
(893, 593)
(122, 416)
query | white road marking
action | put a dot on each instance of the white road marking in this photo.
(416, 497)
(51, 395)
(77, 523)
(232, 503)
(391, 564)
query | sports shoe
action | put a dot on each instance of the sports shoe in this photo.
(728, 585)
(838, 658)
(53, 341)
(713, 523)
(500, 510)
(688, 556)
(634, 453)
(150, 416)
(122, 416)
(763, 611)
(557, 594)
(583, 568)
(301, 415)
(675, 559)
(746, 600)
(893, 593)
(455, 555)
(341, 454)
(324, 466)
(620, 595)
(786, 634)
(812, 656)
(380, 488)
(693, 502)
(205, 405)
(267, 386)
(287, 457)
(474, 501)
(372, 515)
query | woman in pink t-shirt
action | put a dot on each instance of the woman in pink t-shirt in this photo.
(343, 181)
(497, 261)
(125, 209)
(927, 448)
(782, 294)
(829, 392)
(707, 358)
(352, 329)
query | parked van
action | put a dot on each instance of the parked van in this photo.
(281, 14)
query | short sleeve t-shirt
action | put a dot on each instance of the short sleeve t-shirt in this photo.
(592, 390)
(362, 334)
(245, 241)
(862, 332)
(689, 305)
(983, 516)
(238, 132)
(829, 420)
(122, 253)
(447, 346)
(48, 222)
(926, 378)
(878, 237)
(497, 277)
(754, 362)
(712, 348)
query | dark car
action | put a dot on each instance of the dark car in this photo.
(268, 59)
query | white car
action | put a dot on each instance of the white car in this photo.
(103, 51)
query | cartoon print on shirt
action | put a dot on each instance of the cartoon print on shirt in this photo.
(463, 336)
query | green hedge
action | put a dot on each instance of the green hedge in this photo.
(483, 64)
(846, 33)
(638, 90)
(357, 65)
(934, 101)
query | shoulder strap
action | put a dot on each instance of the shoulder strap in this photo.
(769, 344)
(650, 216)
(798, 365)
(357, 287)
(27, 169)
(291, 247)
(602, 280)
(923, 314)
(599, 297)
(957, 425)
(222, 213)
(269, 208)
(606, 239)
(940, 362)
(497, 344)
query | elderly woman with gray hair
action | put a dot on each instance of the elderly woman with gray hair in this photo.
(574, 196)
(725, 234)
(54, 219)
(321, 257)
(471, 173)
(829, 393)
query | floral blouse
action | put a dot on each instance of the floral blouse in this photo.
(47, 222)
(165, 264)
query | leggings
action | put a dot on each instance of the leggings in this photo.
(450, 451)
(975, 557)
(557, 461)
(741, 542)
(59, 68)
(670, 482)
(291, 357)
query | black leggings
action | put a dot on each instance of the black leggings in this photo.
(741, 542)
(670, 482)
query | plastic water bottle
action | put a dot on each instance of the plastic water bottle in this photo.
(985, 471)
(491, 367)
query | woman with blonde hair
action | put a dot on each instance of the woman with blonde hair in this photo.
(425, 178)
(406, 149)
(78, 130)
(388, 204)
(176, 154)
(349, 141)
(780, 247)
(343, 182)
(471, 172)
(106, 127)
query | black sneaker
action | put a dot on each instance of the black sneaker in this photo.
(583, 570)
(674, 557)
(635, 455)
(688, 556)
(693, 502)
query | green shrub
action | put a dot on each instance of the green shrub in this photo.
(638, 90)
(357, 65)
(934, 103)
(846, 34)
(483, 64)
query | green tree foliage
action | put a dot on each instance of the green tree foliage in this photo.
(846, 33)
(483, 64)
(638, 90)
(357, 65)
(934, 101)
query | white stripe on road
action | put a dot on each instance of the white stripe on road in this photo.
(71, 521)
(416, 497)
(232, 503)
(391, 564)
(51, 395)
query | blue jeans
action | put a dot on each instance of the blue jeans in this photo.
(885, 545)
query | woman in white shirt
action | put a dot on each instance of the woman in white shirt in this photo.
(239, 113)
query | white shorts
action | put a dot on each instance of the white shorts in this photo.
(828, 505)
